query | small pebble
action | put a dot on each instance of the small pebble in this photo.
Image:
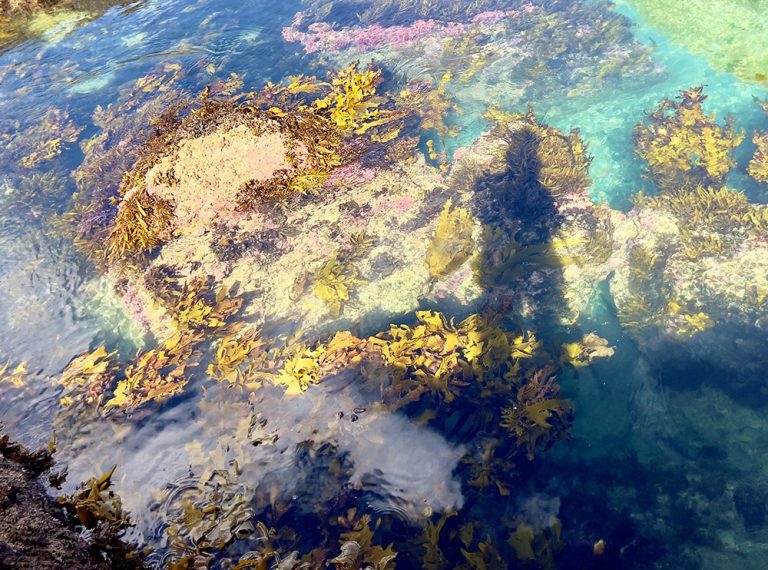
(359, 410)
(354, 417)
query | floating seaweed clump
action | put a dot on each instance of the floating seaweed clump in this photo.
(433, 356)
(538, 545)
(235, 356)
(684, 147)
(438, 357)
(196, 305)
(452, 243)
(359, 551)
(205, 514)
(687, 322)
(95, 504)
(305, 365)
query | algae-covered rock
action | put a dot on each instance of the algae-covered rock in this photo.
(379, 230)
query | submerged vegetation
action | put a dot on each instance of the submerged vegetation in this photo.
(304, 124)
(683, 146)
(351, 331)
(452, 243)
(758, 166)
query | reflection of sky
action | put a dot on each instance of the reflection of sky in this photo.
(399, 466)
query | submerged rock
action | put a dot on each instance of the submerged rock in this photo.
(35, 531)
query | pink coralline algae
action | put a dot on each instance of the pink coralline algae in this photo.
(323, 37)
(351, 175)
(402, 204)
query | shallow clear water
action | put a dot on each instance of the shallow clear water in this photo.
(666, 459)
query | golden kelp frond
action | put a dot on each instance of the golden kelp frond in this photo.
(758, 166)
(504, 260)
(286, 92)
(15, 376)
(160, 80)
(301, 370)
(442, 357)
(97, 506)
(537, 416)
(452, 243)
(486, 556)
(235, 351)
(684, 147)
(157, 374)
(307, 365)
(492, 350)
(433, 105)
(265, 559)
(359, 551)
(352, 103)
(434, 558)
(88, 376)
(537, 544)
(206, 514)
(717, 210)
(333, 282)
(712, 221)
(489, 470)
(142, 223)
(197, 306)
(687, 322)
(427, 353)
(541, 156)
(583, 352)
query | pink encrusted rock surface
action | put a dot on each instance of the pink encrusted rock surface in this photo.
(274, 254)
(323, 37)
(209, 171)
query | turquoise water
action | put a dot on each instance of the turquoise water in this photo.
(665, 461)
